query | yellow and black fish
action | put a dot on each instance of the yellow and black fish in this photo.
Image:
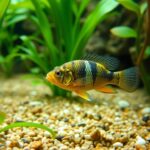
(93, 72)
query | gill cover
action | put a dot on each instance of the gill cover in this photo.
(67, 77)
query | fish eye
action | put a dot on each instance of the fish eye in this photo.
(58, 73)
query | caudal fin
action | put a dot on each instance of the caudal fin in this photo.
(129, 79)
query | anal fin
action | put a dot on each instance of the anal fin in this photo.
(83, 94)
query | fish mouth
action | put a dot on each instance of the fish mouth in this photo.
(50, 78)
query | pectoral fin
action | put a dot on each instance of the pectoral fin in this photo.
(106, 89)
(83, 94)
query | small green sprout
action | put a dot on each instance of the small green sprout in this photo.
(28, 124)
(24, 124)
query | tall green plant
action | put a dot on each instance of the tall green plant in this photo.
(63, 33)
(3, 7)
(9, 38)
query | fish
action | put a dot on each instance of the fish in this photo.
(93, 73)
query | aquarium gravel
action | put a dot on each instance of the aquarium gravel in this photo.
(113, 121)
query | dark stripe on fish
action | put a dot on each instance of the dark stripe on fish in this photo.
(93, 70)
(107, 75)
(82, 71)
(73, 70)
(110, 75)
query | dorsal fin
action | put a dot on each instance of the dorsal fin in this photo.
(109, 62)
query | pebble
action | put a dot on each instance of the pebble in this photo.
(118, 144)
(8, 143)
(95, 135)
(82, 124)
(117, 119)
(66, 120)
(14, 143)
(33, 93)
(25, 140)
(66, 112)
(97, 117)
(77, 148)
(77, 138)
(86, 145)
(140, 140)
(35, 103)
(59, 137)
(123, 104)
(36, 145)
(146, 118)
(77, 108)
(2, 145)
(47, 134)
(63, 147)
(146, 110)
(87, 137)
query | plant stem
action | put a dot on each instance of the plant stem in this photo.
(138, 33)
(147, 39)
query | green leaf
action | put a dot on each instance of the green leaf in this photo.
(3, 6)
(147, 52)
(62, 16)
(25, 4)
(2, 117)
(32, 53)
(46, 30)
(96, 16)
(130, 5)
(143, 7)
(124, 32)
(28, 124)
(2, 59)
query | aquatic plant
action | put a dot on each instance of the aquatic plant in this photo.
(24, 124)
(64, 36)
(142, 52)
(9, 37)
(28, 124)
(3, 7)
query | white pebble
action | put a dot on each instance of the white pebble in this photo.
(146, 110)
(46, 134)
(77, 148)
(77, 108)
(117, 119)
(63, 147)
(77, 138)
(86, 145)
(117, 144)
(66, 112)
(21, 144)
(80, 130)
(140, 140)
(35, 103)
(87, 137)
(33, 93)
(123, 104)
(8, 143)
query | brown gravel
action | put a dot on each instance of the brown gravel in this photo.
(113, 121)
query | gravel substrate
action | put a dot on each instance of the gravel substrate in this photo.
(113, 122)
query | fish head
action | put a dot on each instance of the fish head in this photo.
(61, 76)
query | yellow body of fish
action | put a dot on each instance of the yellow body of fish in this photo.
(96, 72)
